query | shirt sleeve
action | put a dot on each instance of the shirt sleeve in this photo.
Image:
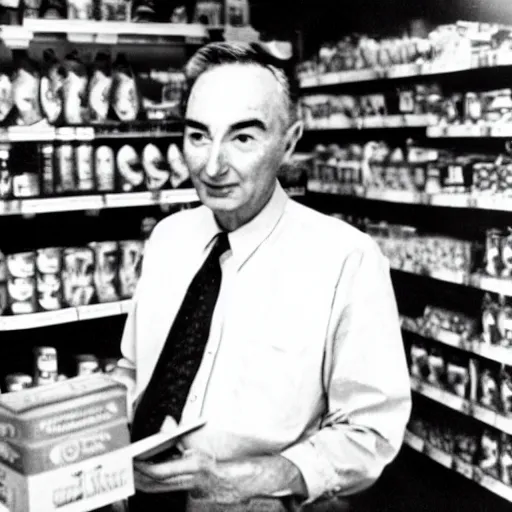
(366, 382)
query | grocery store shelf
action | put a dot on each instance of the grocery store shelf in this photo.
(462, 405)
(467, 470)
(374, 122)
(468, 130)
(496, 353)
(95, 202)
(63, 316)
(501, 286)
(103, 32)
(393, 72)
(455, 200)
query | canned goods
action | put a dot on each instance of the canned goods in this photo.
(46, 366)
(5, 174)
(48, 261)
(493, 248)
(21, 264)
(46, 158)
(104, 164)
(87, 364)
(130, 266)
(84, 166)
(21, 292)
(106, 270)
(3, 268)
(4, 298)
(66, 172)
(17, 381)
(506, 254)
(78, 276)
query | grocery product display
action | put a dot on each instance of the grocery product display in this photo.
(54, 278)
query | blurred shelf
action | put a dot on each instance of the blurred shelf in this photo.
(469, 130)
(455, 200)
(501, 286)
(410, 70)
(96, 202)
(103, 32)
(462, 405)
(63, 316)
(374, 122)
(502, 355)
(465, 469)
(42, 132)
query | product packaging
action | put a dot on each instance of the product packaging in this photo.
(180, 174)
(47, 166)
(125, 101)
(21, 286)
(80, 9)
(105, 167)
(52, 88)
(489, 454)
(6, 190)
(130, 170)
(16, 382)
(25, 88)
(49, 281)
(130, 266)
(84, 160)
(100, 86)
(506, 254)
(106, 256)
(6, 96)
(87, 364)
(488, 388)
(506, 459)
(54, 9)
(76, 111)
(24, 169)
(419, 362)
(45, 366)
(59, 446)
(209, 12)
(437, 368)
(78, 276)
(493, 244)
(65, 176)
(156, 169)
(457, 379)
(506, 390)
(490, 331)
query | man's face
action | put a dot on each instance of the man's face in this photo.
(236, 138)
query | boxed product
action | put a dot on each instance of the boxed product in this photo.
(105, 272)
(78, 276)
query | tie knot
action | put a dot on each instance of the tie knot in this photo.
(221, 244)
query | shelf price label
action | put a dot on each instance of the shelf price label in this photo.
(462, 467)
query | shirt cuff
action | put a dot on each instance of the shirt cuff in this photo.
(316, 471)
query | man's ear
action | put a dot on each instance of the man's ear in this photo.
(293, 135)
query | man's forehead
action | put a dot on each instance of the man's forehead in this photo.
(235, 88)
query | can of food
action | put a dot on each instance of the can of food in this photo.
(87, 364)
(84, 166)
(106, 270)
(104, 165)
(109, 364)
(45, 365)
(493, 248)
(3, 267)
(4, 298)
(506, 254)
(5, 174)
(21, 293)
(47, 163)
(17, 381)
(22, 264)
(49, 292)
(132, 252)
(78, 276)
(49, 260)
(66, 171)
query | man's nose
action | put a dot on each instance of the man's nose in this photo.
(216, 164)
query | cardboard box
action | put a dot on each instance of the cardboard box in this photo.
(79, 487)
(55, 410)
(32, 458)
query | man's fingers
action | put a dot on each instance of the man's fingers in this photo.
(189, 464)
(177, 483)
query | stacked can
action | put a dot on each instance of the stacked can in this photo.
(87, 364)
(485, 177)
(21, 284)
(130, 266)
(106, 255)
(505, 178)
(17, 382)
(3, 284)
(49, 280)
(78, 276)
(45, 365)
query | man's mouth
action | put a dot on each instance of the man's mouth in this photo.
(219, 189)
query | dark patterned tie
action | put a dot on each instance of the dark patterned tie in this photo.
(177, 366)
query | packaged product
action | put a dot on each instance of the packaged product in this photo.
(21, 293)
(6, 96)
(84, 166)
(488, 388)
(24, 170)
(493, 250)
(504, 321)
(104, 166)
(6, 190)
(49, 260)
(155, 167)
(506, 390)
(209, 12)
(49, 292)
(419, 362)
(54, 9)
(51, 90)
(21, 264)
(488, 459)
(106, 256)
(490, 331)
(130, 266)
(66, 175)
(45, 365)
(457, 379)
(16, 382)
(86, 364)
(76, 110)
(80, 9)
(125, 101)
(47, 166)
(506, 459)
(100, 87)
(130, 169)
(78, 276)
(25, 88)
(506, 254)
(436, 367)
(4, 298)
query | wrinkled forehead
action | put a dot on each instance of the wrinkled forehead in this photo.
(229, 93)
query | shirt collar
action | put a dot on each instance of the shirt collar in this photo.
(247, 238)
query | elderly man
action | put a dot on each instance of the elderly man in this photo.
(275, 323)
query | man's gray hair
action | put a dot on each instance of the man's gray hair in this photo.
(222, 53)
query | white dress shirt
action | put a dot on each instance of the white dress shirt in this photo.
(305, 356)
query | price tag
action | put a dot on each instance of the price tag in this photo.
(478, 475)
(428, 450)
(109, 39)
(504, 424)
(467, 408)
(156, 195)
(435, 132)
(462, 467)
(98, 310)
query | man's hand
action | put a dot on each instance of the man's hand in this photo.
(195, 472)
(224, 482)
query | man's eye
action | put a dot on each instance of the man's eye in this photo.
(197, 137)
(243, 138)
